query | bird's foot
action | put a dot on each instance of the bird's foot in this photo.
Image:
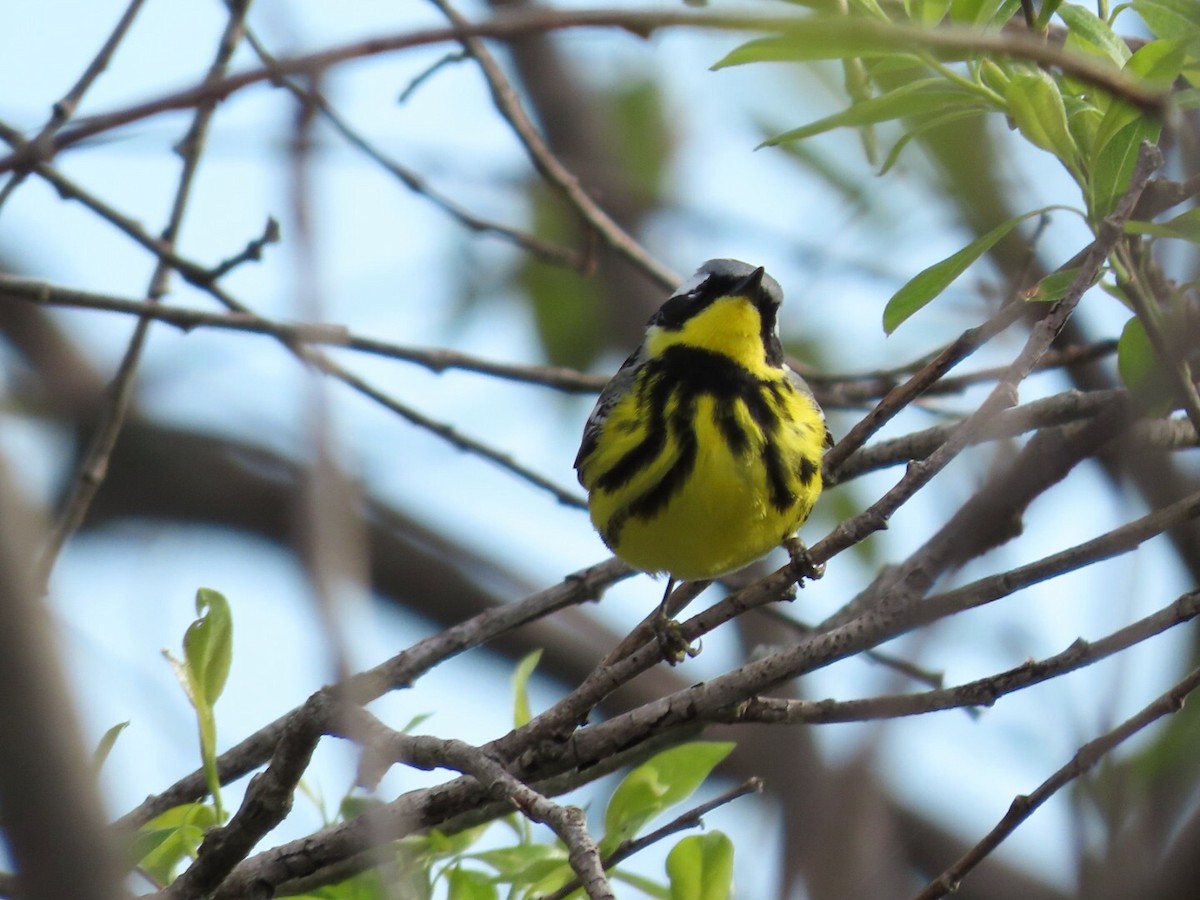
(671, 642)
(803, 565)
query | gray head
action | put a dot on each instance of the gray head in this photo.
(721, 278)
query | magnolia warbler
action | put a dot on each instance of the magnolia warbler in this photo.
(704, 450)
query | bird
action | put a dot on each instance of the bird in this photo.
(704, 450)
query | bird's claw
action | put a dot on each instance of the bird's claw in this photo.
(671, 642)
(803, 565)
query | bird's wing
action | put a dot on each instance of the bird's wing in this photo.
(802, 386)
(616, 388)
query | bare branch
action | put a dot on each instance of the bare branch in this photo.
(90, 473)
(411, 180)
(384, 746)
(548, 165)
(1002, 396)
(520, 23)
(1084, 760)
(981, 692)
(400, 671)
(435, 359)
(65, 108)
(693, 818)
(200, 277)
(1059, 409)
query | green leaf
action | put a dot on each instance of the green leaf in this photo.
(149, 844)
(439, 845)
(520, 684)
(650, 888)
(919, 128)
(931, 95)
(701, 867)
(1159, 63)
(930, 282)
(207, 654)
(1084, 121)
(1046, 13)
(662, 781)
(838, 43)
(565, 306)
(106, 744)
(1185, 227)
(1036, 106)
(208, 646)
(465, 884)
(995, 77)
(1113, 167)
(410, 874)
(1135, 354)
(822, 37)
(932, 12)
(165, 841)
(524, 863)
(552, 881)
(1089, 32)
(1169, 18)
(982, 12)
(414, 722)
(354, 805)
(1185, 101)
(1053, 287)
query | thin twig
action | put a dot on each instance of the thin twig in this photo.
(383, 746)
(93, 468)
(903, 667)
(901, 396)
(400, 671)
(693, 818)
(64, 109)
(835, 390)
(1003, 395)
(1058, 409)
(532, 21)
(1085, 758)
(410, 179)
(983, 692)
(548, 165)
(252, 252)
(200, 277)
(435, 359)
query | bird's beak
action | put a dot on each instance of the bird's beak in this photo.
(751, 285)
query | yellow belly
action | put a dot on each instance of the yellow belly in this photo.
(722, 518)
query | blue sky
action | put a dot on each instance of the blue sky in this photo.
(389, 266)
